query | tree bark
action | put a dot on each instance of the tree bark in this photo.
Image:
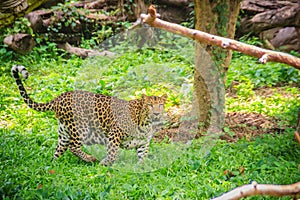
(12, 9)
(219, 19)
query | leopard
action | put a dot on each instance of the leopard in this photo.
(91, 118)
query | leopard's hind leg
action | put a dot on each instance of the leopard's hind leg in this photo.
(77, 133)
(113, 145)
(63, 140)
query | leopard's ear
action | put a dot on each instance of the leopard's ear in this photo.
(164, 97)
(144, 97)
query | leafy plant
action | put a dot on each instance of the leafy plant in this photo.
(253, 40)
(271, 74)
(21, 25)
(244, 89)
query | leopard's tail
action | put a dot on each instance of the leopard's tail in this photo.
(16, 69)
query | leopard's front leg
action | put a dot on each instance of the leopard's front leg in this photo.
(142, 150)
(112, 148)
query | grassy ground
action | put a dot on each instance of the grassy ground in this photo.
(28, 138)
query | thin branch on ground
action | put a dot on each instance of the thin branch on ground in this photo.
(84, 53)
(262, 189)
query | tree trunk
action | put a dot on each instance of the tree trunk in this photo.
(218, 18)
(12, 9)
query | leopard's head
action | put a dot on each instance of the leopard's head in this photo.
(155, 106)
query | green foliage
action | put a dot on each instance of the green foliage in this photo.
(28, 172)
(271, 74)
(190, 23)
(41, 53)
(21, 25)
(137, 72)
(97, 37)
(222, 10)
(282, 104)
(69, 17)
(28, 138)
(295, 53)
(252, 40)
(245, 89)
(247, 78)
(67, 21)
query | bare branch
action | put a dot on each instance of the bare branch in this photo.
(265, 55)
(261, 189)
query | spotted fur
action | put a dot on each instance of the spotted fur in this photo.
(88, 118)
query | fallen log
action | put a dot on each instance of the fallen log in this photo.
(276, 22)
(84, 53)
(285, 39)
(98, 4)
(21, 43)
(176, 2)
(41, 19)
(263, 54)
(269, 14)
(68, 25)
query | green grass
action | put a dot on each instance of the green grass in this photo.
(195, 171)
(28, 172)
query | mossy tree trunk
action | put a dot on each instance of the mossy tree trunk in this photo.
(12, 9)
(217, 17)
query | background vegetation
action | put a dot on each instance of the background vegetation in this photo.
(28, 138)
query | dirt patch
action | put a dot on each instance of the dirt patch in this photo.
(248, 125)
(237, 124)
